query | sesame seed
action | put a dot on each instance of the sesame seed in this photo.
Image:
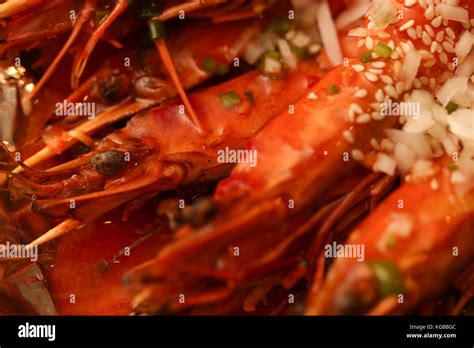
(419, 31)
(410, 3)
(379, 65)
(369, 43)
(371, 77)
(429, 63)
(312, 96)
(379, 96)
(391, 91)
(434, 184)
(443, 57)
(448, 47)
(347, 134)
(358, 67)
(450, 33)
(426, 38)
(376, 71)
(383, 35)
(374, 143)
(386, 79)
(407, 25)
(432, 83)
(358, 155)
(434, 47)
(361, 93)
(430, 13)
(375, 106)
(437, 21)
(400, 87)
(364, 118)
(417, 83)
(356, 108)
(351, 115)
(360, 43)
(377, 116)
(429, 30)
(412, 33)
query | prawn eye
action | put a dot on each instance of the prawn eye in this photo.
(114, 88)
(202, 212)
(108, 162)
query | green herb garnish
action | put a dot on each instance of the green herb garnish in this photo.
(366, 57)
(157, 29)
(388, 277)
(451, 107)
(382, 50)
(230, 99)
(280, 25)
(333, 89)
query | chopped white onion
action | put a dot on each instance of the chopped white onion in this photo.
(383, 12)
(288, 57)
(464, 45)
(453, 13)
(328, 31)
(455, 85)
(416, 142)
(355, 12)
(384, 164)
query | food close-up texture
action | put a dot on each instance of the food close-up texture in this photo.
(240, 157)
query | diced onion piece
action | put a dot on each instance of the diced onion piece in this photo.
(272, 66)
(383, 13)
(329, 35)
(401, 225)
(288, 57)
(416, 142)
(384, 164)
(359, 32)
(464, 45)
(352, 14)
(466, 69)
(461, 123)
(411, 64)
(449, 145)
(263, 44)
(422, 169)
(405, 157)
(453, 13)
(455, 85)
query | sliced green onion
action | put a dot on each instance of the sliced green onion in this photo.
(280, 25)
(230, 99)
(100, 15)
(249, 96)
(333, 89)
(388, 277)
(157, 29)
(211, 66)
(452, 167)
(383, 50)
(366, 57)
(451, 107)
(274, 55)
